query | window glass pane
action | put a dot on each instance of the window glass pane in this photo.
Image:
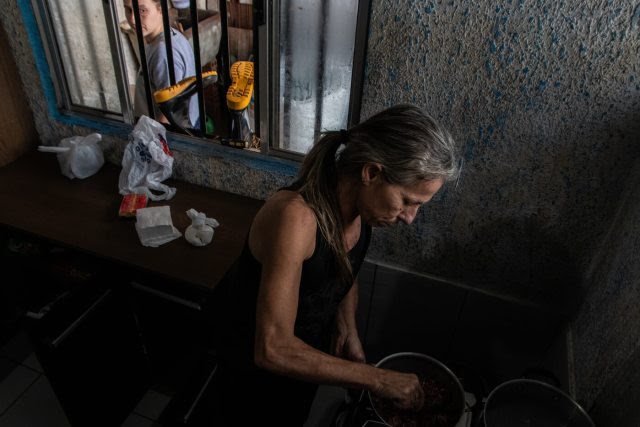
(81, 34)
(316, 53)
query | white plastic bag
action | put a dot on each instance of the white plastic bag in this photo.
(79, 156)
(147, 161)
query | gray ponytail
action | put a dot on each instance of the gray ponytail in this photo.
(407, 142)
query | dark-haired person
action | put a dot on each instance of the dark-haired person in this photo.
(156, 52)
(293, 287)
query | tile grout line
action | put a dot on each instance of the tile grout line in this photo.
(20, 395)
(21, 363)
(143, 416)
(31, 369)
(156, 423)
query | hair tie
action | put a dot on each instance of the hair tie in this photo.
(344, 135)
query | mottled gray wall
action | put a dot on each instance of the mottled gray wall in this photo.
(607, 329)
(544, 96)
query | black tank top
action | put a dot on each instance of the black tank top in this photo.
(321, 291)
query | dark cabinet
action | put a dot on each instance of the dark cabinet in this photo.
(106, 333)
(88, 344)
(80, 320)
(178, 337)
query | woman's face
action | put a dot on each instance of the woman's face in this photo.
(150, 17)
(382, 204)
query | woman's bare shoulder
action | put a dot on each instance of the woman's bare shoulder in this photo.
(288, 206)
(285, 217)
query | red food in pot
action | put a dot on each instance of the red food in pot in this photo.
(436, 411)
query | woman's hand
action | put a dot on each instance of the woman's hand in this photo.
(404, 390)
(347, 345)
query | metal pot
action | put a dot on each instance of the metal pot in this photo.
(428, 368)
(532, 403)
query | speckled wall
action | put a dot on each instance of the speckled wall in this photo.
(544, 99)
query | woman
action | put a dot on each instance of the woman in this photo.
(158, 66)
(293, 285)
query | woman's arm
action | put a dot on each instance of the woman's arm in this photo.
(282, 237)
(346, 342)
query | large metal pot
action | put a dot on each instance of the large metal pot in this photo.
(532, 403)
(427, 368)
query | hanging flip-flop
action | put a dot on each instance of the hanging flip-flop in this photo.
(170, 99)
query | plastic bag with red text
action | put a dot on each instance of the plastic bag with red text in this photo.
(147, 161)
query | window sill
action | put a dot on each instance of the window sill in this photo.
(184, 143)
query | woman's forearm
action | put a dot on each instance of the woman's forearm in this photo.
(297, 359)
(294, 358)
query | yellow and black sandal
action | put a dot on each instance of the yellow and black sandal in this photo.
(241, 89)
(238, 98)
(171, 98)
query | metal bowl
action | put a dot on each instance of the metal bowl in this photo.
(532, 403)
(428, 368)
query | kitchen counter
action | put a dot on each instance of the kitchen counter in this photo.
(38, 200)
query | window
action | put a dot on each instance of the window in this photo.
(307, 58)
(85, 75)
